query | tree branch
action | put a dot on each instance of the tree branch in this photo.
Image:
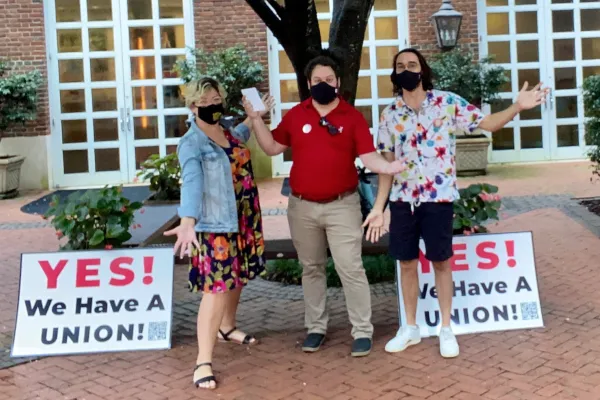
(272, 20)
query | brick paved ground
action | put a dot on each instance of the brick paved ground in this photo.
(559, 361)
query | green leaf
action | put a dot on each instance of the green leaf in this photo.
(475, 189)
(456, 224)
(114, 230)
(97, 238)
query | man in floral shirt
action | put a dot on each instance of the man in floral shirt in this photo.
(420, 129)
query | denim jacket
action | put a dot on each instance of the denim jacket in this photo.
(207, 193)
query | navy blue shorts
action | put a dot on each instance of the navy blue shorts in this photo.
(430, 221)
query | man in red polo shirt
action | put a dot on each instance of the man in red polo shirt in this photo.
(326, 135)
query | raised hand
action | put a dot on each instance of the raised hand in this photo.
(375, 224)
(187, 239)
(529, 99)
(269, 103)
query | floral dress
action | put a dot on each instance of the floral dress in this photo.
(227, 261)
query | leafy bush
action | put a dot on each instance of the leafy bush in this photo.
(477, 82)
(591, 101)
(478, 203)
(96, 219)
(164, 175)
(232, 67)
(18, 96)
(378, 269)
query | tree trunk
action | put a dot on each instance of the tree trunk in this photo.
(296, 27)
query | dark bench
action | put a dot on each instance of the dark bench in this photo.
(284, 248)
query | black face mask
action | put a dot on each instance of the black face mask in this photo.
(407, 80)
(323, 93)
(211, 114)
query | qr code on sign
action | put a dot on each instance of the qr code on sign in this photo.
(157, 331)
(529, 311)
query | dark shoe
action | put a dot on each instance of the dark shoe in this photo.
(361, 347)
(313, 342)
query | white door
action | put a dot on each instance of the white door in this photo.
(554, 41)
(387, 33)
(113, 98)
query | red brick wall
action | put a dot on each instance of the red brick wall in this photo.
(23, 44)
(422, 33)
(225, 23)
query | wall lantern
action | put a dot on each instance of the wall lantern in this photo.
(446, 22)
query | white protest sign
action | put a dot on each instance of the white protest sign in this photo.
(94, 301)
(495, 286)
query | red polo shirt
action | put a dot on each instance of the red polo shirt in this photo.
(323, 164)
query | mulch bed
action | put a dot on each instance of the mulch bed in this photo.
(593, 205)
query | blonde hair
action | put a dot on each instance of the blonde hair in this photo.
(194, 90)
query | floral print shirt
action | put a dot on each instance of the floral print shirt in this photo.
(426, 141)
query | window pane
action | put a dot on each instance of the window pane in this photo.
(566, 107)
(365, 58)
(144, 98)
(102, 69)
(99, 10)
(564, 49)
(285, 65)
(172, 97)
(107, 160)
(143, 153)
(531, 76)
(531, 137)
(101, 39)
(106, 130)
(168, 65)
(503, 139)
(495, 3)
(75, 161)
(385, 5)
(141, 38)
(567, 135)
(590, 20)
(385, 88)
(324, 25)
(386, 28)
(72, 101)
(500, 51)
(172, 37)
(145, 128)
(589, 71)
(70, 71)
(104, 99)
(69, 40)
(385, 56)
(590, 48)
(140, 9)
(497, 23)
(527, 22)
(363, 90)
(565, 78)
(367, 112)
(289, 91)
(170, 9)
(74, 131)
(322, 6)
(175, 125)
(562, 21)
(527, 51)
(534, 113)
(67, 11)
(143, 68)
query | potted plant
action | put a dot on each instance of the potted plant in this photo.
(164, 174)
(18, 104)
(478, 204)
(96, 219)
(478, 82)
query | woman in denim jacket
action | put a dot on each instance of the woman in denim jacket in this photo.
(220, 219)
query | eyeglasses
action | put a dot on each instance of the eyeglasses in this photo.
(330, 128)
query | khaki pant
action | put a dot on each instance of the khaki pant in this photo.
(312, 226)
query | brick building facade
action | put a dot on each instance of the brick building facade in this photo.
(27, 27)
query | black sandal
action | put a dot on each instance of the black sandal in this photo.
(210, 378)
(249, 339)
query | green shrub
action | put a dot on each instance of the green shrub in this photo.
(164, 175)
(378, 269)
(591, 101)
(18, 96)
(477, 82)
(232, 67)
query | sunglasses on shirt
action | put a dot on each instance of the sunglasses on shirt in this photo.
(330, 128)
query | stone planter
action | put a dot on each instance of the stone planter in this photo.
(10, 176)
(472, 155)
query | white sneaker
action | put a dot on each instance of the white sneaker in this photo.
(405, 337)
(448, 344)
